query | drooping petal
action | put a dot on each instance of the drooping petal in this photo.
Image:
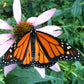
(5, 37)
(51, 30)
(17, 10)
(9, 68)
(4, 47)
(45, 16)
(41, 71)
(55, 67)
(48, 28)
(31, 19)
(55, 33)
(4, 25)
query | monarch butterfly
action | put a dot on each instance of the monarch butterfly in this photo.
(39, 49)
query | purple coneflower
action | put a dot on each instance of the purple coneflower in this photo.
(5, 43)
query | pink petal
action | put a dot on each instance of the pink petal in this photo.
(4, 47)
(41, 71)
(4, 25)
(4, 37)
(51, 30)
(9, 68)
(31, 19)
(55, 33)
(17, 10)
(48, 28)
(45, 16)
(55, 67)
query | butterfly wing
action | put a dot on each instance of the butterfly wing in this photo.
(40, 58)
(27, 57)
(56, 49)
(48, 50)
(19, 52)
(8, 57)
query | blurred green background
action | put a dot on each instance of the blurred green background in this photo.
(70, 17)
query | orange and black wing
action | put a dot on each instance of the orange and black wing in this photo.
(19, 52)
(55, 49)
(40, 59)
(27, 57)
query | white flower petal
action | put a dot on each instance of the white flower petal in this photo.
(17, 10)
(55, 33)
(45, 16)
(55, 67)
(50, 30)
(41, 71)
(9, 68)
(31, 19)
(4, 47)
(4, 25)
(5, 37)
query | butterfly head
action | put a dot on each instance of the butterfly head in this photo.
(22, 28)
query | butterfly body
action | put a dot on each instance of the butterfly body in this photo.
(39, 49)
(32, 38)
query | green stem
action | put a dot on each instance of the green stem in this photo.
(77, 75)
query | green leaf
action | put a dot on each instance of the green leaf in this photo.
(74, 81)
(67, 82)
(21, 76)
(29, 76)
(76, 8)
(81, 20)
(78, 65)
(2, 82)
(49, 22)
(78, 77)
(7, 9)
(59, 77)
(82, 3)
(61, 12)
(1, 11)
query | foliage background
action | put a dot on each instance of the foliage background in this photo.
(70, 17)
